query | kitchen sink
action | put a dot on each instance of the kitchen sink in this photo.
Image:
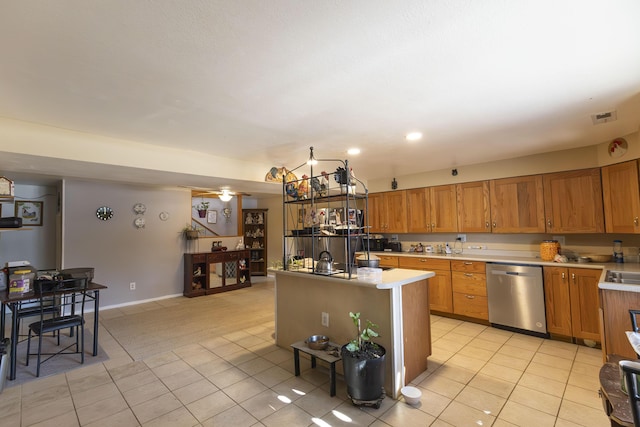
(631, 278)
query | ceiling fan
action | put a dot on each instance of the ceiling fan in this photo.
(225, 195)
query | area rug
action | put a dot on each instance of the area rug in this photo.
(57, 364)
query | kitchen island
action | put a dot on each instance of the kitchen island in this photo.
(616, 299)
(398, 304)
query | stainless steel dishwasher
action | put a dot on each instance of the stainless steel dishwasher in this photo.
(516, 298)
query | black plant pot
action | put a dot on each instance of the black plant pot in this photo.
(364, 376)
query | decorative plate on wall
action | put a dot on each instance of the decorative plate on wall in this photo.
(139, 222)
(139, 208)
(618, 147)
(164, 216)
(104, 213)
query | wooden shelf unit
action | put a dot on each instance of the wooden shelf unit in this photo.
(254, 230)
(212, 272)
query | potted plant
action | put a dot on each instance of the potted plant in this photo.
(191, 232)
(364, 364)
(202, 208)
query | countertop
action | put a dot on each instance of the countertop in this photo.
(508, 259)
(393, 278)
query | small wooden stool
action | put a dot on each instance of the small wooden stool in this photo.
(301, 346)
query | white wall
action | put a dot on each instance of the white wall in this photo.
(152, 257)
(36, 244)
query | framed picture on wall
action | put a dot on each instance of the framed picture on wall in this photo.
(212, 216)
(30, 212)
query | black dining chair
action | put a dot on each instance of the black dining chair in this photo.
(69, 297)
(631, 370)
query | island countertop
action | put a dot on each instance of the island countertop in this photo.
(392, 278)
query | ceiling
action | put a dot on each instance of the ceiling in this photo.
(262, 81)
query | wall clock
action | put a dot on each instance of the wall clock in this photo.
(139, 222)
(139, 208)
(104, 213)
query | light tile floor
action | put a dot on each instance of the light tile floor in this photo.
(477, 376)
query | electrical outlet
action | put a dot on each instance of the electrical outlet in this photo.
(132, 286)
(462, 237)
(325, 319)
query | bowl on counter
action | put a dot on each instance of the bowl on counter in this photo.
(597, 257)
(372, 262)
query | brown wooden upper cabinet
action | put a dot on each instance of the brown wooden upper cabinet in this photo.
(388, 212)
(443, 209)
(432, 209)
(418, 215)
(621, 194)
(517, 205)
(473, 207)
(573, 201)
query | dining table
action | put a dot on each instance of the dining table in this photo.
(13, 303)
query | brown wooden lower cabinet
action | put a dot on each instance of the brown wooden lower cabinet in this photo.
(469, 284)
(616, 321)
(213, 272)
(440, 293)
(571, 300)
(388, 260)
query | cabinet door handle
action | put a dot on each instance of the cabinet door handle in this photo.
(495, 224)
(549, 223)
(573, 276)
(470, 296)
(468, 274)
(562, 276)
(433, 226)
(635, 221)
(486, 224)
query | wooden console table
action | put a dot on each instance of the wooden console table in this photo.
(212, 272)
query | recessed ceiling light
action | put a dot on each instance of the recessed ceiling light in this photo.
(413, 136)
(353, 151)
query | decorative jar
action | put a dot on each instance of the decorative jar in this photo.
(549, 249)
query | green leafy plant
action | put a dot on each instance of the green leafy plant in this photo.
(362, 345)
(202, 206)
(191, 231)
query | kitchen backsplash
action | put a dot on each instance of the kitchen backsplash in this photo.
(525, 245)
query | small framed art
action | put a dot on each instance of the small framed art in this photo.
(212, 216)
(29, 211)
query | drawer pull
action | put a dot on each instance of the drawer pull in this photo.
(468, 263)
(468, 274)
(470, 296)
(423, 260)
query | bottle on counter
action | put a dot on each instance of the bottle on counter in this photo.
(618, 255)
(447, 248)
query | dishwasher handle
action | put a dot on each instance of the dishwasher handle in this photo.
(509, 272)
(503, 272)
